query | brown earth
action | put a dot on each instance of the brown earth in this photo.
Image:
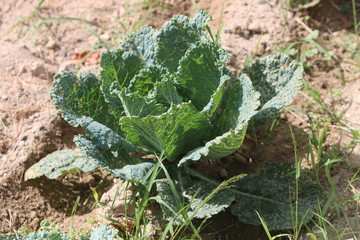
(30, 127)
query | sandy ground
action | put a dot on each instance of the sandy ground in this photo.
(30, 127)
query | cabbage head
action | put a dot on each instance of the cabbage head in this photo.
(167, 92)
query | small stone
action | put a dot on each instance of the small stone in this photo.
(24, 69)
(10, 68)
(105, 37)
(4, 97)
(89, 180)
(32, 214)
(39, 70)
(223, 173)
(51, 44)
(246, 34)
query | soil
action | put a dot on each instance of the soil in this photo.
(30, 127)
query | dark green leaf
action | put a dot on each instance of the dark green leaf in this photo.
(103, 136)
(272, 193)
(119, 163)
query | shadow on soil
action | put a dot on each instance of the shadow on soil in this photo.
(225, 226)
(62, 194)
(333, 15)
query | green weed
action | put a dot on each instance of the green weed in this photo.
(35, 21)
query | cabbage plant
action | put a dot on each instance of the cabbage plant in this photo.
(169, 92)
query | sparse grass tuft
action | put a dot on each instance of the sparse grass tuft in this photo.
(35, 21)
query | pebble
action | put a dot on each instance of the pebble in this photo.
(105, 37)
(223, 173)
(38, 70)
(10, 68)
(51, 44)
(4, 97)
(32, 214)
